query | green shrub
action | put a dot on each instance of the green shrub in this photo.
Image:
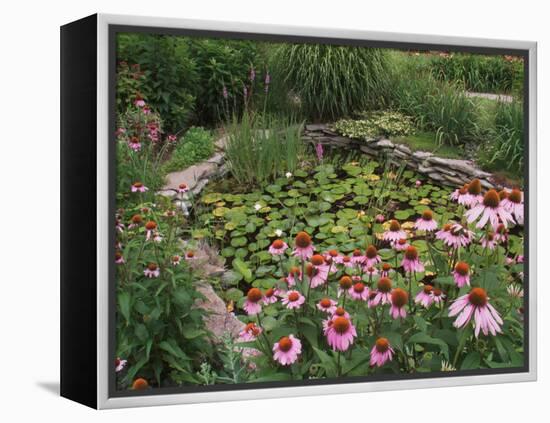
(333, 81)
(258, 150)
(483, 73)
(170, 78)
(386, 123)
(195, 146)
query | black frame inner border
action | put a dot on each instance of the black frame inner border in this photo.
(115, 29)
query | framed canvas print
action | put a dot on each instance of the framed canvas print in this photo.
(253, 211)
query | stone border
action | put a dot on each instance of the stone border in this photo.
(451, 172)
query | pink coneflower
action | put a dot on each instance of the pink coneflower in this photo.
(293, 299)
(372, 296)
(119, 225)
(319, 151)
(135, 221)
(381, 352)
(346, 261)
(339, 312)
(317, 271)
(152, 271)
(461, 274)
(252, 304)
(146, 110)
(150, 227)
(401, 244)
(176, 260)
(172, 138)
(134, 144)
(139, 187)
(386, 269)
(399, 298)
(501, 234)
(294, 274)
(476, 305)
(371, 256)
(520, 259)
(394, 233)
(514, 204)
(327, 305)
(345, 284)
(287, 350)
(379, 218)
(340, 333)
(458, 236)
(250, 332)
(119, 258)
(190, 255)
(438, 296)
(383, 292)
(411, 262)
(418, 183)
(139, 101)
(359, 291)
(269, 297)
(425, 297)
(490, 210)
(460, 195)
(120, 131)
(277, 247)
(303, 247)
(488, 241)
(357, 257)
(426, 222)
(370, 271)
(120, 364)
(183, 188)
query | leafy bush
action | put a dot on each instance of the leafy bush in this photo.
(333, 81)
(482, 73)
(130, 81)
(437, 106)
(170, 75)
(258, 150)
(195, 146)
(374, 124)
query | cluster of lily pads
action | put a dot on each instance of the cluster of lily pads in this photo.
(366, 269)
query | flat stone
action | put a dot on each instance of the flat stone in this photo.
(367, 150)
(329, 132)
(199, 187)
(486, 184)
(424, 169)
(490, 96)
(216, 159)
(464, 166)
(481, 174)
(403, 148)
(218, 320)
(384, 143)
(221, 143)
(453, 180)
(445, 170)
(436, 177)
(316, 127)
(421, 155)
(400, 154)
(189, 176)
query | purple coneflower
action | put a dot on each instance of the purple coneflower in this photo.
(411, 262)
(287, 350)
(461, 274)
(490, 210)
(252, 304)
(340, 333)
(399, 298)
(476, 305)
(426, 222)
(394, 232)
(381, 352)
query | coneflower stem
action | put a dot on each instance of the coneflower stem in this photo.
(339, 369)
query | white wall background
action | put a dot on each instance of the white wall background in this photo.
(29, 188)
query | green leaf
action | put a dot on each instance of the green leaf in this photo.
(241, 267)
(124, 301)
(471, 361)
(423, 338)
(326, 362)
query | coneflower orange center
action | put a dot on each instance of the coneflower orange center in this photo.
(372, 252)
(411, 253)
(402, 241)
(462, 268)
(269, 292)
(474, 187)
(491, 199)
(254, 295)
(183, 186)
(136, 218)
(346, 259)
(152, 266)
(427, 289)
(384, 284)
(293, 296)
(502, 195)
(478, 297)
(317, 260)
(359, 287)
(150, 225)
(311, 270)
(463, 190)
(394, 226)
(386, 267)
(345, 282)
(340, 311)
(447, 227)
(190, 254)
(341, 325)
(399, 297)
(427, 215)
(294, 271)
(278, 244)
(326, 303)
(382, 345)
(303, 240)
(515, 196)
(333, 253)
(437, 292)
(138, 184)
(140, 383)
(285, 344)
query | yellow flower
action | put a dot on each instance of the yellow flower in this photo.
(425, 201)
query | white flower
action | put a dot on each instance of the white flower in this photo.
(515, 291)
(278, 232)
(257, 206)
(288, 175)
(447, 367)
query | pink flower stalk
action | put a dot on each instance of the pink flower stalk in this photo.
(120, 364)
(370, 271)
(411, 262)
(152, 271)
(357, 257)
(293, 299)
(327, 305)
(346, 261)
(461, 274)
(319, 151)
(134, 144)
(476, 305)
(490, 210)
(270, 297)
(426, 222)
(303, 246)
(458, 236)
(119, 258)
(395, 233)
(277, 247)
(438, 296)
(183, 188)
(249, 333)
(425, 297)
(150, 227)
(252, 304)
(371, 256)
(176, 260)
(381, 352)
(294, 274)
(399, 298)
(401, 245)
(383, 292)
(359, 291)
(139, 187)
(340, 333)
(513, 203)
(287, 350)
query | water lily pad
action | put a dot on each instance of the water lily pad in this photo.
(212, 197)
(338, 229)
